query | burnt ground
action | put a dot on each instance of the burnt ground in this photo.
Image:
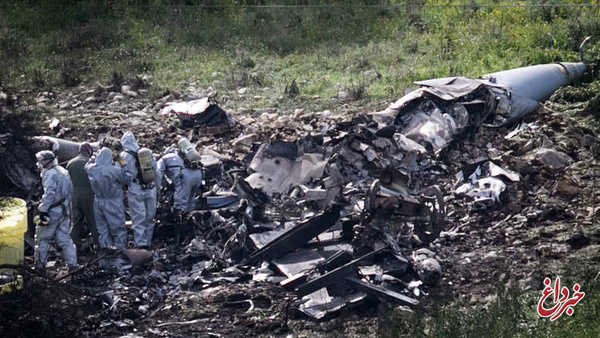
(545, 222)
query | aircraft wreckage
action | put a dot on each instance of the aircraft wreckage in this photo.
(333, 211)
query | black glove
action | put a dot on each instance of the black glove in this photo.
(42, 219)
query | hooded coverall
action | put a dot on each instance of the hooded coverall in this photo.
(55, 202)
(141, 197)
(107, 182)
(186, 180)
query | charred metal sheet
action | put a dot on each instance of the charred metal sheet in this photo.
(335, 275)
(319, 304)
(434, 114)
(299, 261)
(214, 202)
(255, 197)
(280, 148)
(483, 183)
(428, 211)
(381, 292)
(339, 258)
(202, 112)
(299, 269)
(261, 239)
(450, 88)
(395, 181)
(294, 281)
(298, 236)
(275, 172)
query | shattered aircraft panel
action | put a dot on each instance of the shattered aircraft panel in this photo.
(443, 108)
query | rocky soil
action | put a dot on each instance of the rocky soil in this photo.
(545, 221)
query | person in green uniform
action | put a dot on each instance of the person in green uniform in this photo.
(83, 197)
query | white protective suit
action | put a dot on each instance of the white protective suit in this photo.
(141, 198)
(55, 202)
(186, 180)
(107, 182)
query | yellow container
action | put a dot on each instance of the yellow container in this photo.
(13, 225)
(16, 284)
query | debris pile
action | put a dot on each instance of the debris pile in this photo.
(320, 211)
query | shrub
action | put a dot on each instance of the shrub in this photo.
(71, 71)
(39, 78)
(291, 89)
(12, 44)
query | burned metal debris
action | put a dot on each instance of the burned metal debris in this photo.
(484, 183)
(338, 208)
(359, 171)
(203, 112)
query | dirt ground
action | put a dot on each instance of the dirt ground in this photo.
(546, 220)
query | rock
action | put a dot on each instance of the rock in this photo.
(429, 271)
(242, 91)
(299, 114)
(125, 89)
(247, 121)
(577, 240)
(527, 147)
(553, 159)
(523, 166)
(54, 124)
(139, 113)
(588, 140)
(546, 142)
(490, 256)
(345, 96)
(404, 310)
(566, 188)
(283, 119)
(268, 111)
(244, 141)
(530, 283)
(371, 74)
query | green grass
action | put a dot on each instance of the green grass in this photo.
(512, 314)
(377, 50)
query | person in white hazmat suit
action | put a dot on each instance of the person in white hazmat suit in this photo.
(186, 177)
(107, 182)
(55, 215)
(141, 194)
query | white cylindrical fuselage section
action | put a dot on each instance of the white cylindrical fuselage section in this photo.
(540, 81)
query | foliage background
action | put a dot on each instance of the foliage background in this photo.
(376, 48)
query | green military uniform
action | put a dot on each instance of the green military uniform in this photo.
(82, 201)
